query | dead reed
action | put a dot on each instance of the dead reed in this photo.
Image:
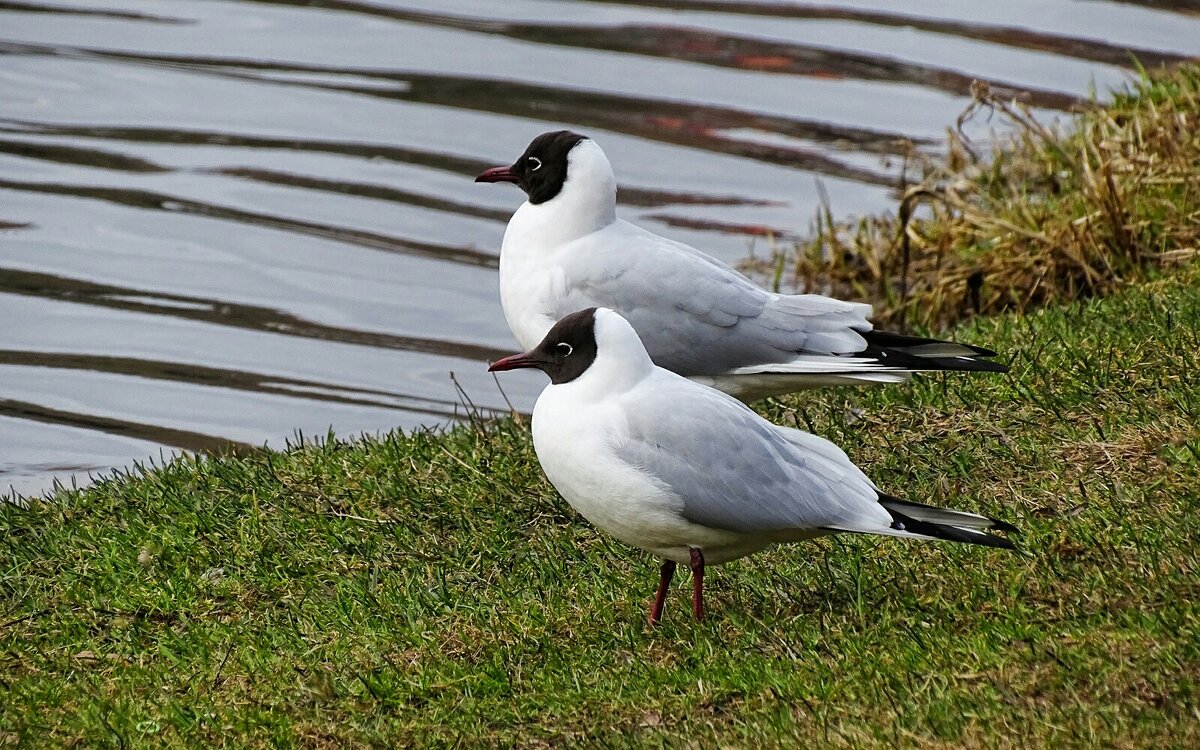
(1048, 215)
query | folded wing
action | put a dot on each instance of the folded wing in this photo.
(696, 315)
(735, 471)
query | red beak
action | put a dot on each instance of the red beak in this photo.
(514, 362)
(498, 174)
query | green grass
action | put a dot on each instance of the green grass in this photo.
(243, 601)
(432, 589)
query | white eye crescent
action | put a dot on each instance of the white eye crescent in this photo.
(564, 348)
(536, 162)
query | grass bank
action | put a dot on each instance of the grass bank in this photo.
(433, 589)
(1050, 215)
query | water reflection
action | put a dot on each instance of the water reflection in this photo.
(1016, 35)
(704, 47)
(459, 165)
(164, 202)
(124, 15)
(686, 124)
(168, 436)
(220, 312)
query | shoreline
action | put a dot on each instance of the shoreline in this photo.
(430, 588)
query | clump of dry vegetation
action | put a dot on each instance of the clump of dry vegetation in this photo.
(1045, 217)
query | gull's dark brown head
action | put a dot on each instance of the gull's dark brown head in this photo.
(542, 169)
(566, 352)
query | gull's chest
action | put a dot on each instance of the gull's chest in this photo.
(574, 446)
(528, 294)
(531, 285)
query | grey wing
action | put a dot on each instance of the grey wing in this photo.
(734, 470)
(696, 315)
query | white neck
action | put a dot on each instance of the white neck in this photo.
(621, 361)
(586, 203)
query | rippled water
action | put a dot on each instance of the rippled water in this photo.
(223, 222)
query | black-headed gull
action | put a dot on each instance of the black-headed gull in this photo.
(565, 249)
(691, 474)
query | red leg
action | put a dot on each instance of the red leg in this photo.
(666, 573)
(697, 583)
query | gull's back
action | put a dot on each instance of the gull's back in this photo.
(696, 315)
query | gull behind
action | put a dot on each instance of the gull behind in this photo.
(691, 474)
(565, 249)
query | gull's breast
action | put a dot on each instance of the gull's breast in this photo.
(620, 499)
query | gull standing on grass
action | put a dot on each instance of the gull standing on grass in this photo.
(565, 249)
(691, 474)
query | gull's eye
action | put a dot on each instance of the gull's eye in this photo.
(564, 348)
(535, 163)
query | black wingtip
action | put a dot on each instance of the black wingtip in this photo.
(1004, 526)
(962, 364)
(902, 349)
(903, 512)
(981, 351)
(950, 533)
(894, 340)
(902, 358)
(909, 508)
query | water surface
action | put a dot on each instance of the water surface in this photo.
(229, 223)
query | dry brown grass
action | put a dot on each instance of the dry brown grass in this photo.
(1045, 217)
